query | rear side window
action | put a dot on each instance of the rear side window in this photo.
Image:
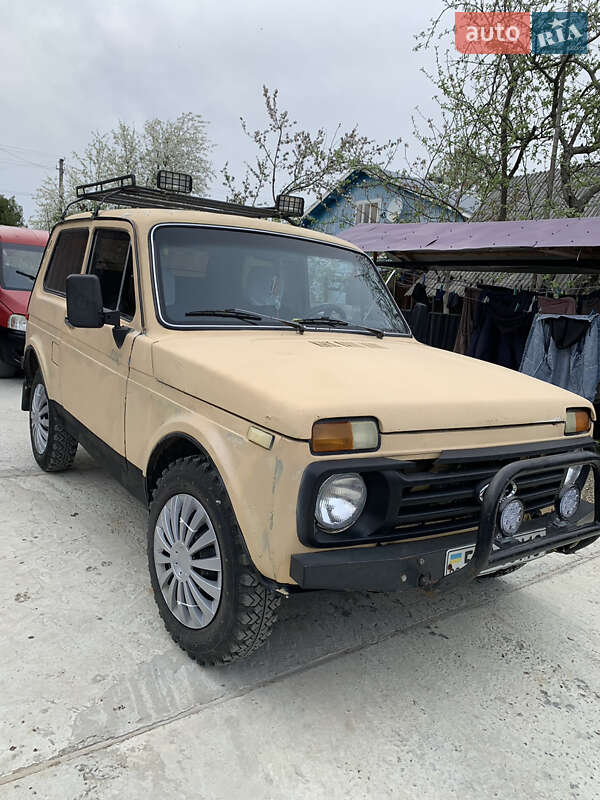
(66, 259)
(112, 262)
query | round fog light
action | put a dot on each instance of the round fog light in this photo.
(568, 502)
(511, 516)
(340, 502)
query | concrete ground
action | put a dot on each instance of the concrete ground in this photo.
(493, 691)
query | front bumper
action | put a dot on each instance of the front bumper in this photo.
(388, 567)
(12, 344)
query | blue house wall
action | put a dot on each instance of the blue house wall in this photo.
(397, 204)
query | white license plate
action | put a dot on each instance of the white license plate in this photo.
(458, 558)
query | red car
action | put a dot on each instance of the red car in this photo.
(21, 251)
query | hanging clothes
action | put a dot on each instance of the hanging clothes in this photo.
(500, 326)
(557, 305)
(442, 330)
(419, 295)
(433, 328)
(465, 326)
(565, 351)
(589, 302)
(418, 319)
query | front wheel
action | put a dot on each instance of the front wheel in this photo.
(53, 447)
(209, 595)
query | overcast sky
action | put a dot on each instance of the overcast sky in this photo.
(72, 67)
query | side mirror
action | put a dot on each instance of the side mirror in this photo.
(84, 302)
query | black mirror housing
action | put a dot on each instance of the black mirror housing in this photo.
(84, 301)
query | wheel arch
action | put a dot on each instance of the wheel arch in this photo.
(31, 364)
(168, 449)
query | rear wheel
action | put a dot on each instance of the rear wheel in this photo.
(209, 595)
(53, 447)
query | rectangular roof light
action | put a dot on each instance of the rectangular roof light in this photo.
(290, 206)
(174, 181)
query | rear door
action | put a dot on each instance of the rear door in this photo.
(94, 368)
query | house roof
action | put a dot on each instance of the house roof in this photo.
(423, 188)
(527, 198)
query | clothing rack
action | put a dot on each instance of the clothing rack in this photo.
(537, 293)
(547, 291)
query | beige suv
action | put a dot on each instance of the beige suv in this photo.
(255, 384)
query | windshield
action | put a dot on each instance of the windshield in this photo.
(16, 259)
(199, 269)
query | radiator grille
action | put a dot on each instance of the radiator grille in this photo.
(442, 499)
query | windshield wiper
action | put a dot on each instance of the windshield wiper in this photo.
(333, 322)
(26, 274)
(242, 313)
(223, 312)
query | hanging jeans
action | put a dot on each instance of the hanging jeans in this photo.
(564, 350)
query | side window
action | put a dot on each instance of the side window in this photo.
(112, 262)
(66, 258)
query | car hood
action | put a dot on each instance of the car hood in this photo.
(15, 302)
(286, 382)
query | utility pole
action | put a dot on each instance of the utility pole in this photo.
(61, 184)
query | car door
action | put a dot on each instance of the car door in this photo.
(94, 366)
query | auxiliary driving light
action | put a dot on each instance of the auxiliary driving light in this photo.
(289, 205)
(340, 502)
(512, 512)
(568, 502)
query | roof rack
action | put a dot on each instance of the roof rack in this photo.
(123, 191)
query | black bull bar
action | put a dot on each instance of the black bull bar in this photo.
(483, 557)
(422, 563)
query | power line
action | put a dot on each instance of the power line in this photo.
(27, 149)
(24, 161)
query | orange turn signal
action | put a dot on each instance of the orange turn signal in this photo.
(344, 436)
(578, 420)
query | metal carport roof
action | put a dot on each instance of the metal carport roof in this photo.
(547, 245)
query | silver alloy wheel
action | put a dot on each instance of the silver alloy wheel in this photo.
(39, 418)
(187, 561)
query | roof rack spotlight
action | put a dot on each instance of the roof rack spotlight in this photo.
(289, 205)
(174, 181)
(101, 187)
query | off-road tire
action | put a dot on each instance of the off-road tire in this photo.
(61, 447)
(247, 608)
(7, 370)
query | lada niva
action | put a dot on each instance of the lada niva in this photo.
(256, 385)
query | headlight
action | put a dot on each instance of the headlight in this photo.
(340, 502)
(344, 436)
(578, 420)
(17, 322)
